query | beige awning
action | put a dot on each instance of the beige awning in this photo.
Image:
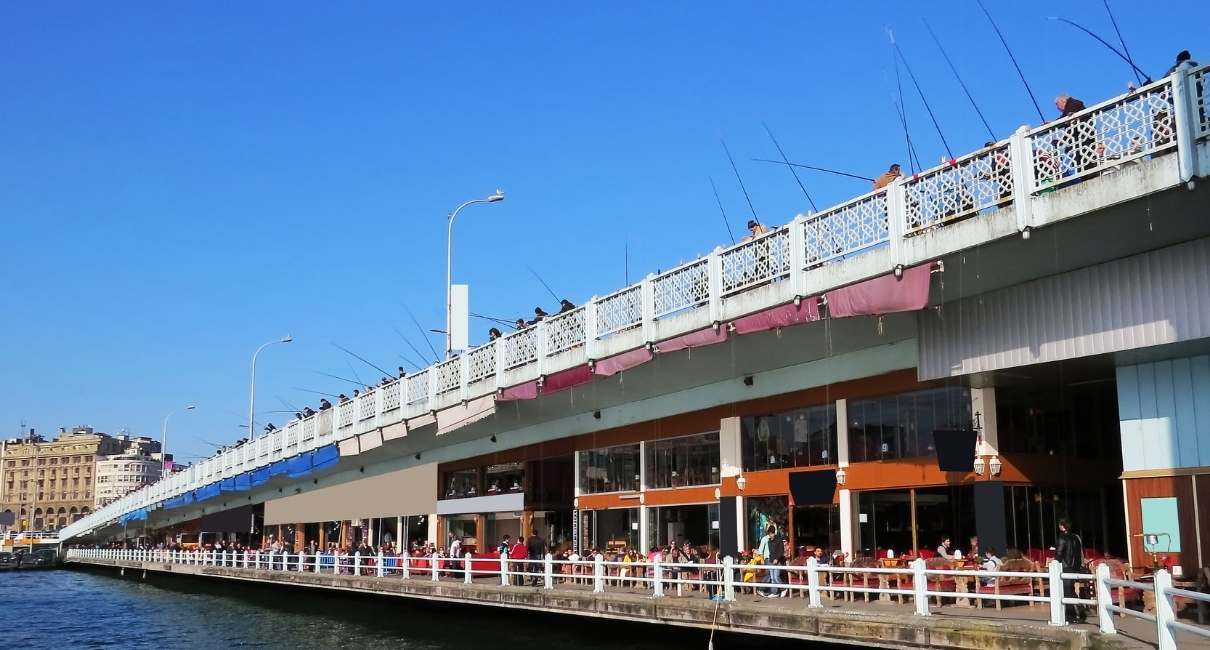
(411, 491)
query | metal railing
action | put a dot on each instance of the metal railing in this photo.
(1169, 114)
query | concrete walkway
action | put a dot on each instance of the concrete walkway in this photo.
(879, 624)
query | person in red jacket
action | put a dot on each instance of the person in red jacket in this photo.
(516, 559)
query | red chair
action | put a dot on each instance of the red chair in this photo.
(1023, 586)
(932, 582)
(926, 554)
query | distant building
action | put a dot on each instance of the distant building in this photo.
(49, 484)
(139, 463)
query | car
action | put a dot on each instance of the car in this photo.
(7, 559)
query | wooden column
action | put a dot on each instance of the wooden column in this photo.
(480, 532)
(790, 527)
(915, 540)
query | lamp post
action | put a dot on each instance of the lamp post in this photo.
(252, 389)
(449, 248)
(164, 441)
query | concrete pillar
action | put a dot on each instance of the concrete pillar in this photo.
(433, 528)
(983, 406)
(850, 528)
(645, 540)
(842, 433)
(741, 514)
(730, 448)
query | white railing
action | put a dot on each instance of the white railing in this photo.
(1143, 123)
(928, 590)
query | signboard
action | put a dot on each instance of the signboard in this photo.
(459, 316)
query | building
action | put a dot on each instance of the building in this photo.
(139, 463)
(49, 484)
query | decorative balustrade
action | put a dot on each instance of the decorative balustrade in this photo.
(1170, 114)
(950, 192)
(1103, 136)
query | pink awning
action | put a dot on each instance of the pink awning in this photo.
(461, 415)
(619, 362)
(370, 440)
(565, 379)
(528, 390)
(883, 295)
(700, 338)
(393, 431)
(349, 447)
(421, 421)
(783, 316)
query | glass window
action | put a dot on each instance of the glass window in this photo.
(760, 512)
(612, 469)
(902, 426)
(678, 462)
(697, 525)
(798, 438)
(462, 483)
(506, 478)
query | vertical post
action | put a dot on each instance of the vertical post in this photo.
(1165, 613)
(647, 304)
(598, 574)
(466, 569)
(499, 377)
(658, 584)
(407, 565)
(798, 255)
(1021, 156)
(464, 373)
(357, 563)
(318, 560)
(504, 569)
(813, 599)
(714, 278)
(1184, 101)
(590, 328)
(379, 561)
(1104, 599)
(336, 563)
(920, 587)
(433, 565)
(1055, 580)
(432, 387)
(548, 570)
(540, 345)
(896, 215)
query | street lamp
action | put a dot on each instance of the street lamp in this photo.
(449, 248)
(164, 441)
(252, 390)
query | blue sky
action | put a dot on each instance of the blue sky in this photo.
(180, 182)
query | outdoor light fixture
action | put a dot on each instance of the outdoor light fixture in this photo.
(841, 476)
(417, 456)
(1026, 232)
(898, 271)
(995, 465)
(748, 381)
(979, 466)
(741, 482)
(493, 438)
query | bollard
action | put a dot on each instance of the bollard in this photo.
(1055, 585)
(728, 579)
(318, 561)
(548, 569)
(224, 557)
(1104, 599)
(659, 579)
(466, 569)
(813, 599)
(598, 574)
(433, 565)
(504, 569)
(1165, 612)
(380, 562)
(920, 586)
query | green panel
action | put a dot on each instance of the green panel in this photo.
(1159, 517)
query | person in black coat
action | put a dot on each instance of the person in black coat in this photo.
(536, 546)
(1069, 551)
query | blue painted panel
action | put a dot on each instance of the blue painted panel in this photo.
(1185, 424)
(1128, 414)
(1160, 517)
(1200, 369)
(1167, 454)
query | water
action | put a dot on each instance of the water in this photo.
(98, 609)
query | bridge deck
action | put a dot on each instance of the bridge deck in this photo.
(882, 624)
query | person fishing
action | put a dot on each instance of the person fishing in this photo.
(888, 177)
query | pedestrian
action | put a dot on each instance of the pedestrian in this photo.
(539, 314)
(455, 553)
(516, 559)
(504, 546)
(402, 373)
(972, 551)
(1181, 57)
(493, 334)
(324, 404)
(1069, 551)
(943, 549)
(887, 177)
(520, 325)
(536, 546)
(565, 306)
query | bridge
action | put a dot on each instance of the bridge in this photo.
(883, 331)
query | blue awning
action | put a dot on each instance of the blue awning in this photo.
(187, 498)
(325, 457)
(277, 468)
(243, 482)
(227, 485)
(299, 465)
(260, 476)
(207, 492)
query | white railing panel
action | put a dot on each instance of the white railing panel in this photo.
(1104, 136)
(482, 362)
(390, 396)
(449, 375)
(1201, 104)
(565, 331)
(756, 261)
(418, 387)
(847, 229)
(520, 348)
(979, 181)
(345, 413)
(620, 310)
(685, 287)
(367, 405)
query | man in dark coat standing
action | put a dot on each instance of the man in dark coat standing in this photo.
(1069, 551)
(537, 552)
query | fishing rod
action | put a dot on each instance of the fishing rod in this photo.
(960, 82)
(360, 358)
(720, 209)
(919, 91)
(1137, 71)
(492, 319)
(814, 168)
(913, 159)
(293, 408)
(790, 167)
(740, 179)
(355, 383)
(1013, 59)
(436, 357)
(548, 289)
(409, 343)
(1121, 40)
(354, 371)
(316, 392)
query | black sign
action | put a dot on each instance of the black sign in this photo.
(813, 488)
(955, 449)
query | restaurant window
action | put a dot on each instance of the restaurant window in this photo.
(797, 438)
(902, 426)
(505, 478)
(760, 513)
(679, 462)
(696, 524)
(612, 469)
(462, 483)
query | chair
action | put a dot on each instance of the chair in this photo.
(863, 580)
(1122, 595)
(1022, 586)
(932, 582)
